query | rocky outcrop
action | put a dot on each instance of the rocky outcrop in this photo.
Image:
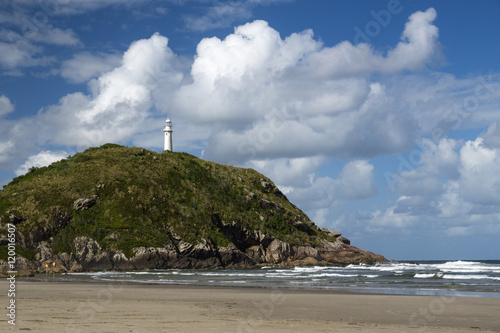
(247, 248)
(84, 203)
(254, 249)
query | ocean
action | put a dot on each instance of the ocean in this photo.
(445, 278)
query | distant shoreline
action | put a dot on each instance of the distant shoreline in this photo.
(434, 278)
(117, 307)
(305, 289)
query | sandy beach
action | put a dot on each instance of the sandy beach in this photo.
(98, 307)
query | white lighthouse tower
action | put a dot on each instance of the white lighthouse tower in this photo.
(168, 135)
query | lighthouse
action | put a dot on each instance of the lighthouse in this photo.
(168, 135)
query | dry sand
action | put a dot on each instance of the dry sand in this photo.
(97, 307)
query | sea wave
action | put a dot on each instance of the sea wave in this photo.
(459, 276)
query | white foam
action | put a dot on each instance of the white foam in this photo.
(428, 276)
(470, 277)
(467, 267)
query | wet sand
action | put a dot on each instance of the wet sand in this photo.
(98, 307)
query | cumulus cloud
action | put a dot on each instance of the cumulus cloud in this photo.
(455, 188)
(265, 93)
(417, 48)
(492, 136)
(389, 218)
(120, 100)
(85, 66)
(421, 171)
(480, 173)
(120, 106)
(356, 180)
(41, 159)
(5, 148)
(289, 172)
(5, 106)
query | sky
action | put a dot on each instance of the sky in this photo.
(379, 119)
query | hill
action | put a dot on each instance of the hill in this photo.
(116, 207)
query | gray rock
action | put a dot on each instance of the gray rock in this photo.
(278, 252)
(232, 257)
(44, 253)
(184, 247)
(256, 253)
(331, 233)
(84, 203)
(90, 255)
(303, 252)
(265, 184)
(344, 240)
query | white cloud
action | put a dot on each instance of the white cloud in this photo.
(426, 165)
(441, 159)
(41, 159)
(224, 13)
(356, 180)
(480, 173)
(492, 136)
(417, 48)
(218, 16)
(452, 205)
(71, 7)
(55, 36)
(418, 43)
(120, 100)
(5, 147)
(5, 106)
(242, 82)
(19, 53)
(120, 106)
(324, 194)
(391, 219)
(289, 173)
(85, 66)
(456, 188)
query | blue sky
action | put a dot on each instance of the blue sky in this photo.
(380, 119)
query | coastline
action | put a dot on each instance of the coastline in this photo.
(119, 307)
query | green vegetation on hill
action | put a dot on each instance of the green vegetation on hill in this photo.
(144, 197)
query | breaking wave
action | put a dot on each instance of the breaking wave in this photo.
(467, 278)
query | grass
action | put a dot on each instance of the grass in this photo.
(142, 194)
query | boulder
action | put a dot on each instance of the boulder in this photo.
(90, 255)
(303, 252)
(84, 203)
(343, 240)
(278, 251)
(232, 257)
(44, 253)
(341, 254)
(154, 257)
(256, 253)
